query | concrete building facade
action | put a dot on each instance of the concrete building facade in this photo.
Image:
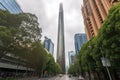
(94, 13)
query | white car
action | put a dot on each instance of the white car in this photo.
(80, 78)
(60, 75)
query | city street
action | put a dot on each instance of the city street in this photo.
(44, 39)
(64, 77)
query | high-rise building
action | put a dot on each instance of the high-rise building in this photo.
(72, 57)
(94, 13)
(11, 6)
(60, 40)
(48, 44)
(79, 39)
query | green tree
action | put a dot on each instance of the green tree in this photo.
(20, 35)
(52, 68)
(19, 28)
(105, 44)
(109, 36)
(7, 40)
(38, 57)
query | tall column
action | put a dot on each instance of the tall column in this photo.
(60, 42)
(101, 9)
(95, 13)
(106, 5)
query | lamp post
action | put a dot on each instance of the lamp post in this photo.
(89, 66)
(106, 64)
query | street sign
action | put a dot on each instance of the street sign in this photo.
(105, 62)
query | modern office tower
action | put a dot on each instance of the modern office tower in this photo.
(67, 67)
(94, 13)
(11, 6)
(60, 40)
(48, 44)
(79, 40)
(71, 56)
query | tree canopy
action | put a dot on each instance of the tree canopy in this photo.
(105, 44)
(20, 35)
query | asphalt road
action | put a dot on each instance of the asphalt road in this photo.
(63, 77)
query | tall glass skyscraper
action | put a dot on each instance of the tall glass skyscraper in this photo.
(79, 39)
(48, 44)
(11, 6)
(60, 40)
(71, 56)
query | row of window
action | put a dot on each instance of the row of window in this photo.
(11, 6)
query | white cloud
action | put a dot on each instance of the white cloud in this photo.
(47, 13)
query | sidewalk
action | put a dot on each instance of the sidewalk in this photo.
(36, 78)
(31, 78)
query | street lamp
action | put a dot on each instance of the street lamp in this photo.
(105, 62)
(89, 66)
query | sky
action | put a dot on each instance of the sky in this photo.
(47, 13)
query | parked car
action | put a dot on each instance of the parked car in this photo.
(70, 75)
(80, 78)
(60, 75)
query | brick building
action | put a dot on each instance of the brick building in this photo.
(94, 13)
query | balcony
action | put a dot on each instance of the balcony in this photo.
(114, 1)
(12, 62)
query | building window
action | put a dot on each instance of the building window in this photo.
(113, 1)
(98, 12)
(88, 9)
